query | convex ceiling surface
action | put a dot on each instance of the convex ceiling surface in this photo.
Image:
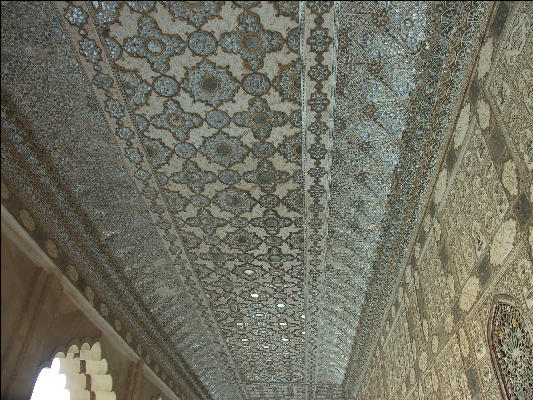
(234, 185)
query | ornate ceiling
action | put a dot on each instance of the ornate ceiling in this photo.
(234, 185)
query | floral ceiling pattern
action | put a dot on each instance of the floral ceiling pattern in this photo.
(237, 182)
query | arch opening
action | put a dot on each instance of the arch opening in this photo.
(80, 373)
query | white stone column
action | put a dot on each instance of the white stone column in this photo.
(101, 383)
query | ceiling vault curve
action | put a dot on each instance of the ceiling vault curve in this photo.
(234, 186)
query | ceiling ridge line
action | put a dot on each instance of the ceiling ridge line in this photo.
(301, 15)
(317, 146)
(329, 147)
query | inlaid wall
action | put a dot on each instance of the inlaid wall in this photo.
(460, 322)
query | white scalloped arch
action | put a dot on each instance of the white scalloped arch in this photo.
(86, 373)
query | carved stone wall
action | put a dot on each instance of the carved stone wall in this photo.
(475, 241)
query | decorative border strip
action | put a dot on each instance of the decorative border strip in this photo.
(317, 93)
(301, 14)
